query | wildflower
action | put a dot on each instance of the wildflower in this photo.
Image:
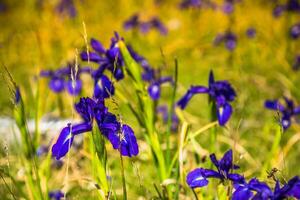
(134, 22)
(67, 6)
(110, 59)
(62, 79)
(185, 4)
(56, 195)
(291, 189)
(251, 32)
(254, 190)
(287, 111)
(292, 6)
(154, 87)
(295, 31)
(120, 135)
(278, 10)
(229, 39)
(163, 110)
(220, 92)
(199, 176)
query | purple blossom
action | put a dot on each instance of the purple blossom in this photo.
(295, 31)
(61, 79)
(199, 176)
(56, 195)
(120, 135)
(67, 6)
(251, 32)
(220, 92)
(185, 4)
(287, 111)
(134, 22)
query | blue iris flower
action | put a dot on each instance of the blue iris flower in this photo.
(287, 111)
(220, 92)
(134, 22)
(256, 189)
(120, 135)
(56, 195)
(60, 79)
(199, 176)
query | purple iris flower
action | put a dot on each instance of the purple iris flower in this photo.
(252, 190)
(199, 176)
(185, 4)
(154, 87)
(60, 79)
(291, 189)
(228, 7)
(287, 111)
(251, 32)
(278, 10)
(134, 22)
(103, 87)
(121, 136)
(295, 31)
(56, 195)
(163, 110)
(110, 59)
(229, 39)
(67, 6)
(220, 92)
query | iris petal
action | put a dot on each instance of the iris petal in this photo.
(154, 91)
(196, 178)
(224, 113)
(57, 84)
(97, 46)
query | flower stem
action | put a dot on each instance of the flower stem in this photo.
(123, 179)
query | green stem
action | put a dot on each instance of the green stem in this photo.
(123, 178)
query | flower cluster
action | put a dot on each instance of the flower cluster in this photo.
(220, 92)
(65, 78)
(254, 189)
(121, 136)
(199, 176)
(134, 22)
(287, 111)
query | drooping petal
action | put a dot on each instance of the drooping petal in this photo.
(224, 113)
(182, 103)
(97, 46)
(154, 91)
(57, 84)
(66, 137)
(103, 87)
(74, 87)
(129, 146)
(286, 121)
(63, 143)
(85, 107)
(196, 178)
(242, 193)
